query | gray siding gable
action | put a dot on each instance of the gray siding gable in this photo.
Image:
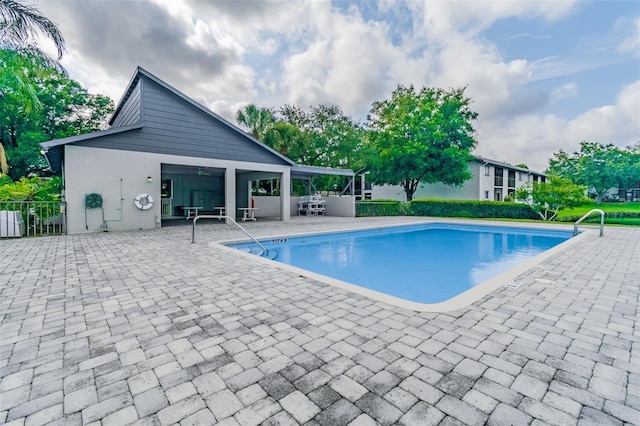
(154, 117)
(175, 124)
(129, 111)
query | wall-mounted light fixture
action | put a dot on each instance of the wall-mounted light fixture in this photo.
(149, 179)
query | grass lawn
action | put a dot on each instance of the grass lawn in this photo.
(606, 207)
(615, 213)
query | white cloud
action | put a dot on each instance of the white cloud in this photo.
(496, 86)
(113, 37)
(225, 54)
(617, 124)
(225, 110)
(568, 90)
(632, 43)
(470, 17)
(533, 139)
(347, 63)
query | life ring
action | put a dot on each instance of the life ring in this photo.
(143, 201)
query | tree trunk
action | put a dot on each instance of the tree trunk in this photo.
(599, 198)
(410, 187)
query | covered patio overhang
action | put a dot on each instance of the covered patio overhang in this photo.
(308, 173)
(218, 188)
(337, 196)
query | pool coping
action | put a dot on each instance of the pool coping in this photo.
(462, 300)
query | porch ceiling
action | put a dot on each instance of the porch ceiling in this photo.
(179, 169)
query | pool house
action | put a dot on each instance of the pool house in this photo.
(166, 157)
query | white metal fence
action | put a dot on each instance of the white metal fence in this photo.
(32, 218)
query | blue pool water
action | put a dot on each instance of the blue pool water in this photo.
(422, 263)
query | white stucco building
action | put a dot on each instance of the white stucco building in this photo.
(164, 154)
(491, 181)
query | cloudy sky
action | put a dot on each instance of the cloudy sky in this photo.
(543, 75)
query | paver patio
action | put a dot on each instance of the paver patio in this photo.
(147, 328)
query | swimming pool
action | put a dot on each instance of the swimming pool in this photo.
(424, 264)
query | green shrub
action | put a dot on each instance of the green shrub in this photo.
(468, 208)
(32, 189)
(379, 208)
(445, 208)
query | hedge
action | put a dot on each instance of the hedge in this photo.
(446, 208)
(468, 208)
(380, 208)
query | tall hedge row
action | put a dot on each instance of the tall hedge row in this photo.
(380, 208)
(446, 208)
(468, 208)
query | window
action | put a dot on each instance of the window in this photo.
(486, 195)
(498, 173)
(512, 179)
(520, 176)
(487, 170)
(542, 179)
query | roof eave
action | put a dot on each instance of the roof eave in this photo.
(304, 171)
(79, 138)
(500, 163)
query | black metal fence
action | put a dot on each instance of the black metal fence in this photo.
(32, 218)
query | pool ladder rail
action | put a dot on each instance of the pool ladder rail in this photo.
(265, 252)
(601, 212)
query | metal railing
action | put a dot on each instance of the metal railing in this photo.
(207, 216)
(32, 218)
(575, 225)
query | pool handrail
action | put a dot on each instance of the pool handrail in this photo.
(209, 216)
(575, 225)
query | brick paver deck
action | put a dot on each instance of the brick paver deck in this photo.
(147, 328)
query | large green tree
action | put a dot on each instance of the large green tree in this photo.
(255, 120)
(597, 166)
(59, 107)
(328, 137)
(287, 139)
(630, 177)
(421, 136)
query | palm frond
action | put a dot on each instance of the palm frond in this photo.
(19, 23)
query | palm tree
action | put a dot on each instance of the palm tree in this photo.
(19, 24)
(284, 138)
(255, 120)
(4, 167)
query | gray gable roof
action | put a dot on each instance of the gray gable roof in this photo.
(152, 116)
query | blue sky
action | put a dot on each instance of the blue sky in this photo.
(579, 49)
(543, 75)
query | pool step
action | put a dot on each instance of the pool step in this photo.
(270, 254)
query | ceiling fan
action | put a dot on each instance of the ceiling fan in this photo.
(201, 172)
